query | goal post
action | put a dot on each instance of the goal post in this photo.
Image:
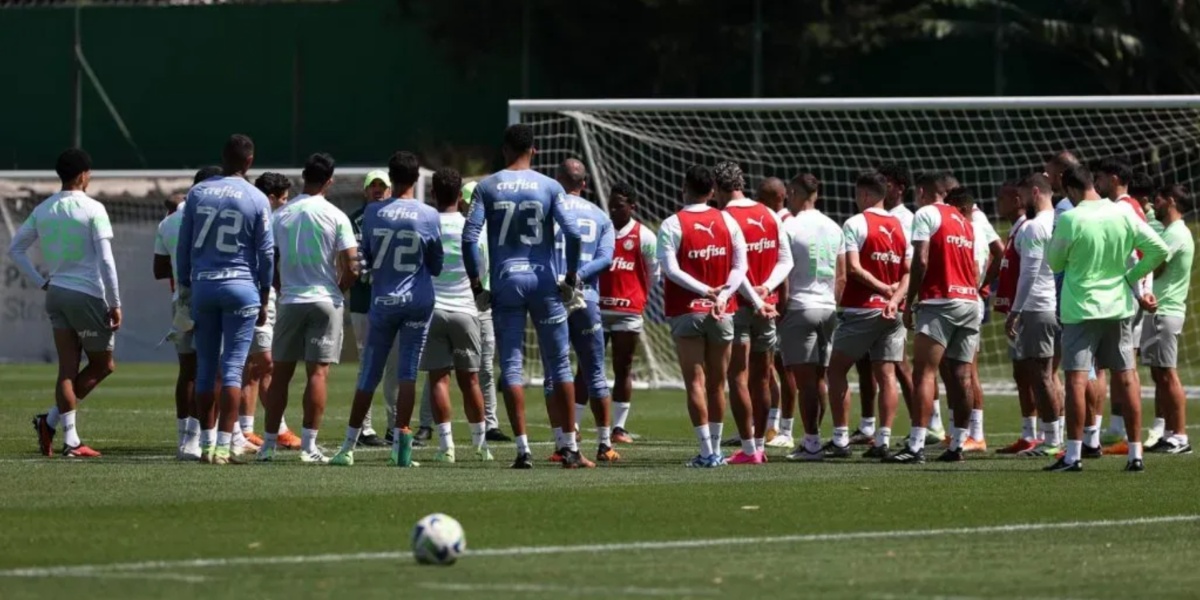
(986, 141)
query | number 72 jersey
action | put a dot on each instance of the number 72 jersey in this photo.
(402, 244)
(225, 234)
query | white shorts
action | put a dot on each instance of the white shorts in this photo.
(264, 336)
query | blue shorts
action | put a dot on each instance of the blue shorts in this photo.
(535, 294)
(587, 339)
(411, 325)
(223, 310)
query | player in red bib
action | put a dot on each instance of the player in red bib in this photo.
(624, 289)
(773, 193)
(703, 257)
(945, 280)
(768, 262)
(1011, 207)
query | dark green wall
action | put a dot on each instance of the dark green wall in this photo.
(357, 79)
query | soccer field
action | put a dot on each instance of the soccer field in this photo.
(136, 524)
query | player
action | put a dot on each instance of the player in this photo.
(945, 280)
(226, 262)
(1091, 245)
(318, 260)
(377, 187)
(781, 419)
(703, 255)
(520, 206)
(768, 262)
(1011, 206)
(1164, 325)
(814, 288)
(624, 291)
(877, 259)
(1142, 189)
(988, 253)
(82, 297)
(402, 246)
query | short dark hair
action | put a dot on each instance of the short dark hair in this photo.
(273, 184)
(71, 163)
(1063, 160)
(318, 169)
(698, 180)
(447, 187)
(238, 151)
(895, 173)
(806, 184)
(206, 173)
(947, 180)
(1118, 167)
(1078, 177)
(1180, 195)
(729, 176)
(623, 190)
(1037, 182)
(872, 181)
(1141, 186)
(960, 196)
(404, 170)
(518, 138)
(927, 179)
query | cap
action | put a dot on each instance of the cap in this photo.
(377, 174)
(468, 189)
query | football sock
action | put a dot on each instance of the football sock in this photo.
(714, 435)
(760, 444)
(523, 444)
(935, 419)
(224, 438)
(620, 414)
(1091, 436)
(559, 442)
(773, 419)
(1116, 425)
(883, 437)
(841, 436)
(478, 431)
(975, 426)
(786, 426)
(958, 437)
(580, 410)
(308, 440)
(916, 439)
(52, 417)
(283, 428)
(445, 438)
(604, 436)
(1158, 426)
(812, 443)
(208, 437)
(351, 438)
(70, 433)
(1050, 434)
(1028, 426)
(247, 423)
(867, 426)
(1074, 450)
(748, 447)
(1135, 450)
(1180, 438)
(269, 440)
(181, 427)
(705, 439)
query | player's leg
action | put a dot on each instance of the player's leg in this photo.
(438, 361)
(867, 389)
(410, 343)
(381, 328)
(359, 325)
(956, 326)
(1115, 353)
(258, 366)
(550, 323)
(1079, 344)
(509, 318)
(625, 334)
(1160, 351)
(588, 340)
(206, 335)
(322, 347)
(1094, 414)
(776, 397)
(487, 377)
(976, 442)
(185, 401)
(690, 351)
(786, 385)
(853, 339)
(762, 360)
(66, 343)
(805, 345)
(240, 305)
(929, 346)
(740, 403)
(287, 349)
(717, 358)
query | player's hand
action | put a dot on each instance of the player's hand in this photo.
(907, 318)
(483, 299)
(114, 318)
(893, 288)
(761, 291)
(713, 293)
(768, 311)
(1011, 324)
(571, 279)
(717, 311)
(262, 316)
(1149, 303)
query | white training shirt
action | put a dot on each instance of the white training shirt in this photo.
(75, 238)
(166, 240)
(816, 242)
(1061, 207)
(309, 233)
(1035, 283)
(452, 288)
(669, 234)
(900, 211)
(985, 234)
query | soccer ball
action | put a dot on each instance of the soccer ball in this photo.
(438, 539)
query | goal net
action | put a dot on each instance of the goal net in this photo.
(135, 201)
(983, 141)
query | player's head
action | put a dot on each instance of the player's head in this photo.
(275, 186)
(621, 204)
(870, 189)
(518, 142)
(1077, 182)
(771, 193)
(237, 155)
(728, 177)
(572, 175)
(1141, 187)
(376, 186)
(1171, 203)
(897, 184)
(74, 168)
(1036, 192)
(468, 191)
(1058, 164)
(173, 201)
(317, 174)
(1008, 202)
(929, 188)
(962, 199)
(447, 189)
(206, 173)
(802, 192)
(404, 170)
(1112, 177)
(698, 184)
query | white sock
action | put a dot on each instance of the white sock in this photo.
(748, 447)
(883, 437)
(247, 423)
(70, 433)
(705, 438)
(181, 428)
(1091, 436)
(867, 426)
(1180, 438)
(975, 425)
(1116, 425)
(193, 427)
(714, 433)
(1099, 421)
(224, 439)
(760, 444)
(1074, 451)
(620, 413)
(308, 440)
(1028, 427)
(841, 436)
(580, 410)
(1062, 428)
(1051, 434)
(1158, 426)
(283, 428)
(935, 419)
(773, 419)
(351, 440)
(559, 442)
(958, 437)
(812, 443)
(1135, 450)
(53, 417)
(572, 443)
(523, 444)
(786, 426)
(478, 433)
(604, 436)
(208, 437)
(916, 438)
(445, 437)
(238, 438)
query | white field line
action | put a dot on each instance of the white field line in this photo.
(198, 563)
(573, 590)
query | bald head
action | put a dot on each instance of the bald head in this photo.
(572, 175)
(1057, 165)
(771, 193)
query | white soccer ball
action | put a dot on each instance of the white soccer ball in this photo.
(438, 539)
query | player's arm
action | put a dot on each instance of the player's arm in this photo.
(470, 240)
(1154, 252)
(1059, 250)
(854, 240)
(649, 247)
(1031, 249)
(183, 246)
(102, 235)
(784, 265)
(668, 240)
(1174, 245)
(162, 257)
(570, 231)
(347, 247)
(737, 275)
(916, 272)
(995, 253)
(839, 273)
(602, 259)
(435, 254)
(18, 251)
(264, 245)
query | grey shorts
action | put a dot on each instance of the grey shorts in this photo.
(453, 341)
(82, 313)
(867, 332)
(1160, 341)
(702, 325)
(1036, 335)
(622, 322)
(182, 339)
(953, 325)
(310, 332)
(264, 336)
(1136, 327)
(1105, 344)
(749, 328)
(806, 336)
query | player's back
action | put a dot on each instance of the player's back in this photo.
(878, 238)
(816, 243)
(593, 225)
(402, 244)
(309, 231)
(225, 226)
(517, 207)
(68, 225)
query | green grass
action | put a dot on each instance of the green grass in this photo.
(136, 504)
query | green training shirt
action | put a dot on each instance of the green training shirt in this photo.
(1171, 285)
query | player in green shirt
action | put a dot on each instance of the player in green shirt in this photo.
(1162, 328)
(1091, 245)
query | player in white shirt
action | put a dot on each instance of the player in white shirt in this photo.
(318, 260)
(809, 318)
(82, 300)
(988, 252)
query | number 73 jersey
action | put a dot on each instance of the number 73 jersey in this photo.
(402, 244)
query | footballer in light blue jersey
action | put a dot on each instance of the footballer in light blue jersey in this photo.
(226, 262)
(520, 207)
